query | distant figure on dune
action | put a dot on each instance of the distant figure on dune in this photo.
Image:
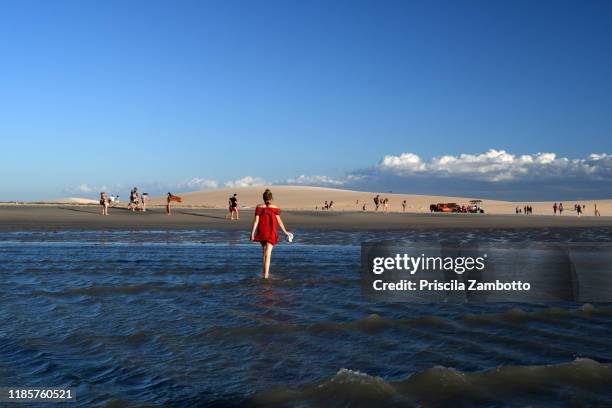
(364, 207)
(326, 206)
(578, 210)
(376, 202)
(264, 229)
(104, 203)
(169, 199)
(560, 208)
(404, 206)
(597, 214)
(331, 204)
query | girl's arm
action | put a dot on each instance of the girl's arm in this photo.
(254, 227)
(280, 223)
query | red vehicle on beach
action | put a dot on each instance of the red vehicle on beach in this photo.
(445, 207)
(474, 207)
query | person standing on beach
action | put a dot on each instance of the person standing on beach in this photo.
(560, 208)
(133, 199)
(143, 200)
(169, 199)
(264, 229)
(404, 206)
(597, 214)
(555, 209)
(104, 203)
(376, 202)
(233, 202)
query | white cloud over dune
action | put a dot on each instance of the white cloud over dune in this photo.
(248, 181)
(315, 181)
(197, 183)
(496, 166)
(493, 173)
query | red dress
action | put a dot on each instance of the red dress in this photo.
(267, 227)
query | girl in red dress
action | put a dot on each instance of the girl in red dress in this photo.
(267, 219)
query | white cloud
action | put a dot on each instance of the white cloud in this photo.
(408, 162)
(315, 181)
(83, 188)
(498, 165)
(199, 184)
(247, 181)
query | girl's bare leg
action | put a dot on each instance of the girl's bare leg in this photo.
(267, 256)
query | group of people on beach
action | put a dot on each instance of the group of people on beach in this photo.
(328, 205)
(525, 210)
(381, 202)
(579, 209)
(138, 202)
(110, 201)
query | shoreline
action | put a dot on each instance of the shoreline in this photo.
(81, 217)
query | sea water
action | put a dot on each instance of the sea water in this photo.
(182, 318)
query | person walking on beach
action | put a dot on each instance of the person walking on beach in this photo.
(264, 230)
(404, 206)
(386, 205)
(578, 210)
(555, 209)
(560, 208)
(376, 202)
(233, 202)
(597, 214)
(104, 203)
(169, 199)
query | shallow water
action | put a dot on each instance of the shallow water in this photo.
(182, 318)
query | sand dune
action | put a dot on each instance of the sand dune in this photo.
(72, 200)
(308, 198)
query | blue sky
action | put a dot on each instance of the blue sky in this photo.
(193, 94)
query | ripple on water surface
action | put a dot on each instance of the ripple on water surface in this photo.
(182, 318)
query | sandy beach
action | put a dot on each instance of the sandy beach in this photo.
(65, 217)
(309, 198)
(207, 210)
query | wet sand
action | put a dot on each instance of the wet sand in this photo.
(59, 218)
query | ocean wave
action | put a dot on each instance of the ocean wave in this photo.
(374, 323)
(443, 386)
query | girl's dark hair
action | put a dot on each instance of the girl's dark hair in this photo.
(267, 196)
